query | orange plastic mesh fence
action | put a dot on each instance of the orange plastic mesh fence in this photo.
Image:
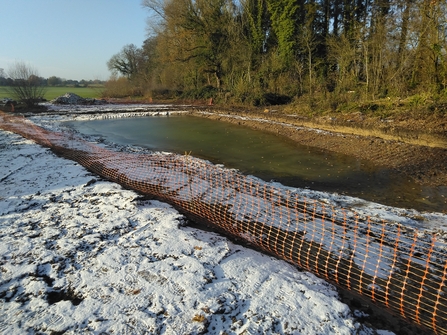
(397, 267)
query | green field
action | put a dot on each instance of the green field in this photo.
(54, 92)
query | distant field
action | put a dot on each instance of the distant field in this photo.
(54, 92)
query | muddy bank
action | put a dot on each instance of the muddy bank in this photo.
(425, 164)
(413, 145)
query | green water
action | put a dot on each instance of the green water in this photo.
(269, 157)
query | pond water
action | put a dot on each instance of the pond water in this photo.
(269, 157)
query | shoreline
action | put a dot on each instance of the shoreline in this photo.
(393, 144)
(426, 165)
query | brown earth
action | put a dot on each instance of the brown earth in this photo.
(416, 147)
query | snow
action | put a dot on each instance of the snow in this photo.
(83, 255)
(115, 108)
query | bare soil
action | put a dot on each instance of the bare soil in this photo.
(410, 145)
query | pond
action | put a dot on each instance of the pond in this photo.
(267, 156)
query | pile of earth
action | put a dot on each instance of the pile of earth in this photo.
(74, 99)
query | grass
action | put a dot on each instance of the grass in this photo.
(54, 92)
(331, 105)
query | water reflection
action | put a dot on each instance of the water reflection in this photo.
(269, 157)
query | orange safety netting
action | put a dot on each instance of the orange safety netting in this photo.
(397, 267)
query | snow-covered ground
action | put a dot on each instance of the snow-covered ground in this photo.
(82, 255)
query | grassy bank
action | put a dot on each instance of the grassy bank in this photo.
(54, 92)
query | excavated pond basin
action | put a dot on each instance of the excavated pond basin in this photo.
(267, 156)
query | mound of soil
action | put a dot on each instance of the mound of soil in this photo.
(74, 99)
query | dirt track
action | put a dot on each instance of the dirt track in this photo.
(404, 148)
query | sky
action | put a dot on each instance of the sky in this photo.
(70, 39)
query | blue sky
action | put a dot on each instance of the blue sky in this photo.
(71, 39)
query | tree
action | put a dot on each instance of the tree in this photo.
(27, 86)
(127, 61)
(54, 81)
(429, 67)
(194, 33)
(256, 26)
(3, 81)
(284, 23)
(251, 48)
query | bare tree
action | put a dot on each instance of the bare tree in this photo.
(26, 86)
(127, 62)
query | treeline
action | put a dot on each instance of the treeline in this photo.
(274, 51)
(52, 81)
